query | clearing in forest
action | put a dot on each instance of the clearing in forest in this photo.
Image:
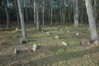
(51, 51)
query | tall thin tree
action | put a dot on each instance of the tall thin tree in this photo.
(91, 18)
(76, 14)
(51, 16)
(17, 14)
(7, 13)
(36, 14)
(24, 39)
(43, 10)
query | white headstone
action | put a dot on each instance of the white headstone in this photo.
(15, 51)
(66, 27)
(47, 33)
(16, 29)
(64, 43)
(77, 34)
(57, 37)
(34, 47)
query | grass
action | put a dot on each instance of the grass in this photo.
(51, 52)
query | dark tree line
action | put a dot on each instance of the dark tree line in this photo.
(50, 11)
(41, 12)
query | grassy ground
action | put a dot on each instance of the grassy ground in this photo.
(51, 51)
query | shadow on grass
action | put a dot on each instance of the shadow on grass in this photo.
(46, 61)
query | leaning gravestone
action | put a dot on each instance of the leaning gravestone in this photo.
(16, 51)
(34, 48)
(64, 43)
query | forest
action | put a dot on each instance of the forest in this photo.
(49, 33)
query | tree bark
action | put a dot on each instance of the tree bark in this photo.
(7, 14)
(91, 18)
(95, 10)
(34, 11)
(17, 14)
(51, 16)
(76, 14)
(43, 10)
(36, 14)
(26, 12)
(24, 39)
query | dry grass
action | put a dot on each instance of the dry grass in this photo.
(51, 52)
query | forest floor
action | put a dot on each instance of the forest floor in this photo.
(51, 51)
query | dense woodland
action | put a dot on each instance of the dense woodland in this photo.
(49, 32)
(46, 12)
(49, 11)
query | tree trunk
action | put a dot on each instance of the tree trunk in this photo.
(7, 14)
(26, 12)
(34, 11)
(43, 10)
(95, 10)
(63, 12)
(38, 22)
(61, 15)
(76, 14)
(36, 14)
(24, 39)
(51, 16)
(82, 15)
(17, 14)
(91, 18)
